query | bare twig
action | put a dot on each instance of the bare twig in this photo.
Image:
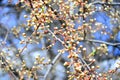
(83, 61)
(6, 36)
(51, 65)
(21, 51)
(55, 36)
(103, 42)
(8, 5)
(106, 3)
(55, 59)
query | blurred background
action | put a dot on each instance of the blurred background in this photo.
(13, 24)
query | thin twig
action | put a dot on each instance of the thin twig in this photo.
(55, 36)
(106, 3)
(83, 61)
(21, 51)
(6, 36)
(56, 58)
(103, 42)
(51, 65)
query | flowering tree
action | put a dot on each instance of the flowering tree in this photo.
(77, 33)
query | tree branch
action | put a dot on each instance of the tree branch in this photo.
(99, 2)
(83, 61)
(56, 58)
(103, 42)
(8, 5)
(51, 65)
(55, 36)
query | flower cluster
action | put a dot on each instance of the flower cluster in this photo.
(72, 23)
